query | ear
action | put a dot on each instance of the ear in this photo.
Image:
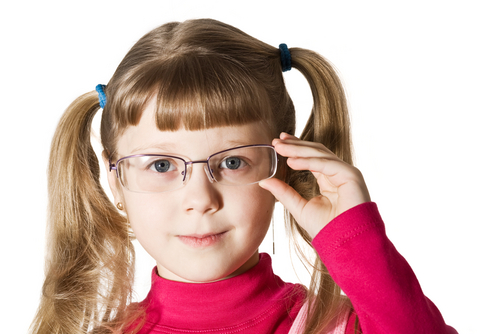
(114, 183)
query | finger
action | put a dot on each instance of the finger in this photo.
(302, 149)
(289, 139)
(285, 136)
(299, 143)
(286, 195)
(327, 166)
(333, 172)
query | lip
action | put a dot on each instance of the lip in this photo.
(201, 240)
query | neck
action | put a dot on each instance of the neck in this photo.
(169, 275)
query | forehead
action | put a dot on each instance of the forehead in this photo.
(145, 137)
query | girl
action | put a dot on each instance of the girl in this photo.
(194, 120)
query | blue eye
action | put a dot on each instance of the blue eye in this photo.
(161, 166)
(231, 163)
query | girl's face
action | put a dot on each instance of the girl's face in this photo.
(239, 216)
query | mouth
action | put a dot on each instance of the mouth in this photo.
(201, 240)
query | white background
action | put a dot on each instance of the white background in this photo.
(423, 82)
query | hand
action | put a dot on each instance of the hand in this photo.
(341, 185)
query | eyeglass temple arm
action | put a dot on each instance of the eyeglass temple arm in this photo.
(112, 166)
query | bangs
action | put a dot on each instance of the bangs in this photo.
(194, 91)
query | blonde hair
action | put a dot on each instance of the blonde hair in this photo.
(202, 73)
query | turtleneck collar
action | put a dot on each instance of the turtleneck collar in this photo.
(255, 294)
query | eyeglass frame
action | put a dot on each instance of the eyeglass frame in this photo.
(114, 166)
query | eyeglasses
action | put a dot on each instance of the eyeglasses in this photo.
(155, 173)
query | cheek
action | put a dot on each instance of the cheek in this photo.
(257, 207)
(148, 214)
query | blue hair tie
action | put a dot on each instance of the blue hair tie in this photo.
(286, 58)
(102, 95)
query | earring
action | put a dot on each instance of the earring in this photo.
(119, 206)
(272, 222)
(129, 242)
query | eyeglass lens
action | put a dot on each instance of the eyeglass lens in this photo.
(159, 173)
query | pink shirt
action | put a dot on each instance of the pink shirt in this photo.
(381, 285)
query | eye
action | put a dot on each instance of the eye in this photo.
(162, 166)
(232, 163)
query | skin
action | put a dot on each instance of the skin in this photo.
(199, 207)
(242, 212)
(341, 185)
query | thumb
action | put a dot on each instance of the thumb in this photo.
(286, 195)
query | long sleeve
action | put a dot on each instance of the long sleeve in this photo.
(383, 289)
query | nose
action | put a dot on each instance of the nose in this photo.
(199, 193)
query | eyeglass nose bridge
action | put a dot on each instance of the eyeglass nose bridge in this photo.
(189, 169)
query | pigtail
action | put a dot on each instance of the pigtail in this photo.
(329, 121)
(328, 124)
(89, 260)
